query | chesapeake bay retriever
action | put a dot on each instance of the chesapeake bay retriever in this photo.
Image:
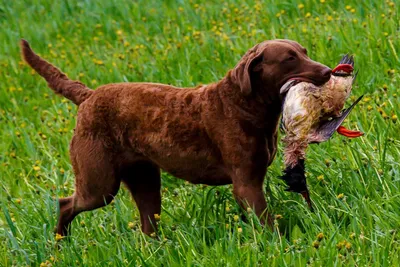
(216, 134)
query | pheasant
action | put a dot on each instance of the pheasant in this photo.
(312, 114)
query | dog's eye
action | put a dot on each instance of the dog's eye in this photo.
(291, 58)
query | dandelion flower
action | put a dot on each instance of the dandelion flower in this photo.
(320, 236)
(59, 237)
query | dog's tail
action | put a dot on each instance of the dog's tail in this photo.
(75, 91)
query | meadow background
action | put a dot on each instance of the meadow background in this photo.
(354, 183)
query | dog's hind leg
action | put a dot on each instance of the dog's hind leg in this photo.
(95, 185)
(144, 182)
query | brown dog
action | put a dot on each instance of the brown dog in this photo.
(216, 134)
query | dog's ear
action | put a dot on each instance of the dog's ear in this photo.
(247, 66)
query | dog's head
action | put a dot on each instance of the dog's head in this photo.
(270, 64)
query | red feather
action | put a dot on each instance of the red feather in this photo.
(349, 133)
(343, 67)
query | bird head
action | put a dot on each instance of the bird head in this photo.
(345, 67)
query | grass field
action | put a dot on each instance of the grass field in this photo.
(355, 184)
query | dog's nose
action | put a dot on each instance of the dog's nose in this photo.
(326, 73)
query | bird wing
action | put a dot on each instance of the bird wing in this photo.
(328, 128)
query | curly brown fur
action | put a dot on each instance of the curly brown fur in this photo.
(221, 133)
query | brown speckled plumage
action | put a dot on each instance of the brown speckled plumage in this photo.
(305, 106)
(305, 119)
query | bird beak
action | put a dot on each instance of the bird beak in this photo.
(328, 128)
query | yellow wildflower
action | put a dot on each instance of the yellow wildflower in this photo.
(320, 236)
(59, 237)
(340, 245)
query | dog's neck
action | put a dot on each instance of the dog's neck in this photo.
(261, 108)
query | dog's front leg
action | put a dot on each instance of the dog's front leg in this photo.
(248, 192)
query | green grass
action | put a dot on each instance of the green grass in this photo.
(354, 183)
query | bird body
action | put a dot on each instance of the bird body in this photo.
(307, 107)
(311, 114)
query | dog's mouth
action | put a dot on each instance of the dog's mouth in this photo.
(294, 81)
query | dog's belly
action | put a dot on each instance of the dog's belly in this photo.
(193, 168)
(210, 175)
(194, 164)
